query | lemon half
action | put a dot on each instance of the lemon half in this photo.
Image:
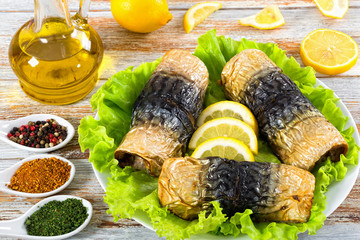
(329, 51)
(141, 16)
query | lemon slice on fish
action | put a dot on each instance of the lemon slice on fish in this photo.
(225, 127)
(268, 18)
(224, 147)
(228, 109)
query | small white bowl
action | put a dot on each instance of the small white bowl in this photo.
(16, 227)
(6, 175)
(7, 126)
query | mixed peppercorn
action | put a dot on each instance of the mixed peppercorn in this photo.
(39, 134)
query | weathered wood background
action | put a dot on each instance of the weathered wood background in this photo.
(123, 48)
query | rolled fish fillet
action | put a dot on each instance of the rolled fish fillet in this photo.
(164, 114)
(274, 192)
(297, 132)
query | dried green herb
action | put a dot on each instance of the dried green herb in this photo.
(57, 218)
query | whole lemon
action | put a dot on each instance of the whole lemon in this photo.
(141, 16)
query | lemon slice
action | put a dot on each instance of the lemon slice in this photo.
(329, 51)
(228, 109)
(224, 147)
(225, 127)
(198, 13)
(333, 8)
(268, 18)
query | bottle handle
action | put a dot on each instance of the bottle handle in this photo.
(80, 18)
(84, 8)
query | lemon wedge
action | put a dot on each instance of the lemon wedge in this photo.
(198, 13)
(224, 147)
(329, 51)
(268, 18)
(228, 109)
(333, 8)
(225, 127)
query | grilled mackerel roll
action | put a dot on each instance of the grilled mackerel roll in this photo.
(164, 114)
(274, 192)
(297, 132)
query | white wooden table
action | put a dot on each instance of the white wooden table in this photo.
(123, 48)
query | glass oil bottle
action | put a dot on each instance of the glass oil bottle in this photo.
(55, 57)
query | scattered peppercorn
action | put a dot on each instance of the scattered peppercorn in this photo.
(57, 218)
(36, 134)
(40, 175)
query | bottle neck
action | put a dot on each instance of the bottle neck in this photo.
(45, 9)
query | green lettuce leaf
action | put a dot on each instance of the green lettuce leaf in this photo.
(265, 153)
(92, 136)
(130, 192)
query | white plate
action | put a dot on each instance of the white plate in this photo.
(337, 191)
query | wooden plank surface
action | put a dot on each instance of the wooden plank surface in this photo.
(121, 44)
(104, 5)
(123, 48)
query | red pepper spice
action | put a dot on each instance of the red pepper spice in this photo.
(40, 175)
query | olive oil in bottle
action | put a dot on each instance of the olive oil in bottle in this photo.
(56, 58)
